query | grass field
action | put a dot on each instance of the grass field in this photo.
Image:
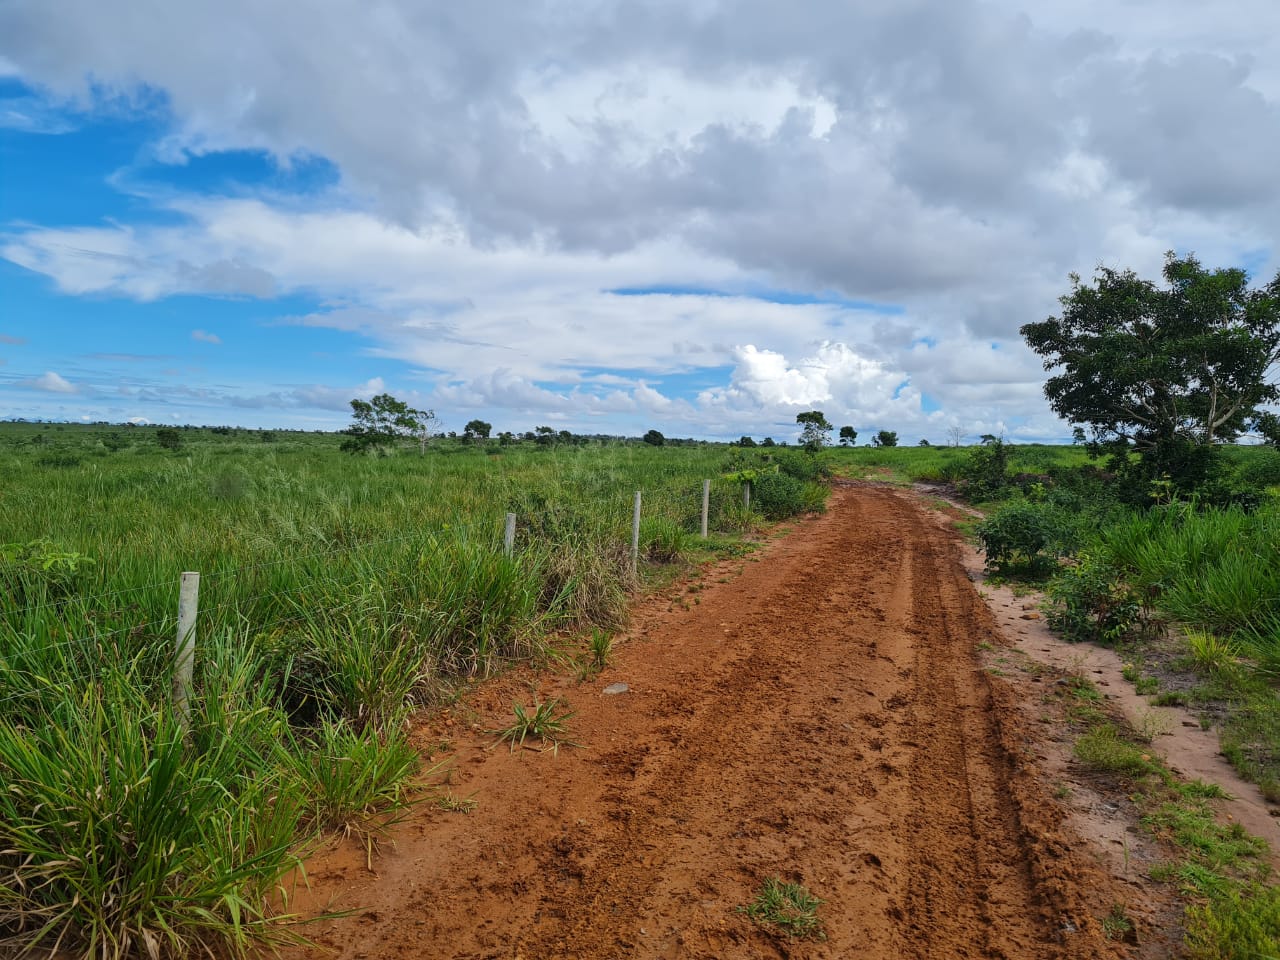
(337, 592)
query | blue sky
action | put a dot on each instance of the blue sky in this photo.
(604, 225)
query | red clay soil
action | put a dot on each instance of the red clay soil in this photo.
(822, 716)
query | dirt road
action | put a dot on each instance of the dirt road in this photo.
(820, 716)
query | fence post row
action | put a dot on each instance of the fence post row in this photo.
(188, 604)
(189, 599)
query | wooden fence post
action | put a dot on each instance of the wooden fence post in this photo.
(509, 536)
(706, 505)
(746, 495)
(635, 535)
(188, 605)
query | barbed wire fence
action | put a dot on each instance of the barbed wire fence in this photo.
(188, 614)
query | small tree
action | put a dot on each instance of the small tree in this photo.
(382, 422)
(169, 438)
(654, 438)
(746, 441)
(848, 436)
(816, 428)
(767, 442)
(476, 430)
(955, 435)
(885, 438)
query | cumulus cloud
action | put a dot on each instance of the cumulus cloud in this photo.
(51, 382)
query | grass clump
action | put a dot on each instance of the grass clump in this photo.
(786, 908)
(601, 648)
(1104, 748)
(120, 834)
(1117, 925)
(1242, 923)
(540, 720)
(343, 775)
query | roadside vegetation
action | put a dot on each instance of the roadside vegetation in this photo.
(337, 594)
(1166, 547)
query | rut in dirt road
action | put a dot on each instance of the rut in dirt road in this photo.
(821, 717)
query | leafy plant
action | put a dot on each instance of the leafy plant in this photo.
(1116, 925)
(778, 495)
(120, 834)
(40, 569)
(1023, 537)
(787, 908)
(1090, 601)
(985, 470)
(341, 776)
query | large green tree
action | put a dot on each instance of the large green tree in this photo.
(1165, 370)
(477, 430)
(885, 438)
(382, 422)
(816, 428)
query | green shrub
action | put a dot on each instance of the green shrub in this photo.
(1024, 536)
(1090, 601)
(778, 495)
(802, 466)
(40, 571)
(814, 497)
(985, 473)
(340, 776)
(1262, 469)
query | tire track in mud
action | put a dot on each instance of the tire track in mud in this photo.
(822, 717)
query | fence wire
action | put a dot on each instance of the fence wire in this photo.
(667, 505)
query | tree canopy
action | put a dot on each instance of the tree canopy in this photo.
(382, 421)
(848, 436)
(477, 430)
(816, 428)
(885, 438)
(1161, 368)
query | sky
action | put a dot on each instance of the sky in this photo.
(699, 217)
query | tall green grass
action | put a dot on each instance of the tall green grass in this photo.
(1216, 568)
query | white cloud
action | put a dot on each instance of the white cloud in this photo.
(51, 382)
(205, 337)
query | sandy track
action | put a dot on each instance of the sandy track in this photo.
(821, 716)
